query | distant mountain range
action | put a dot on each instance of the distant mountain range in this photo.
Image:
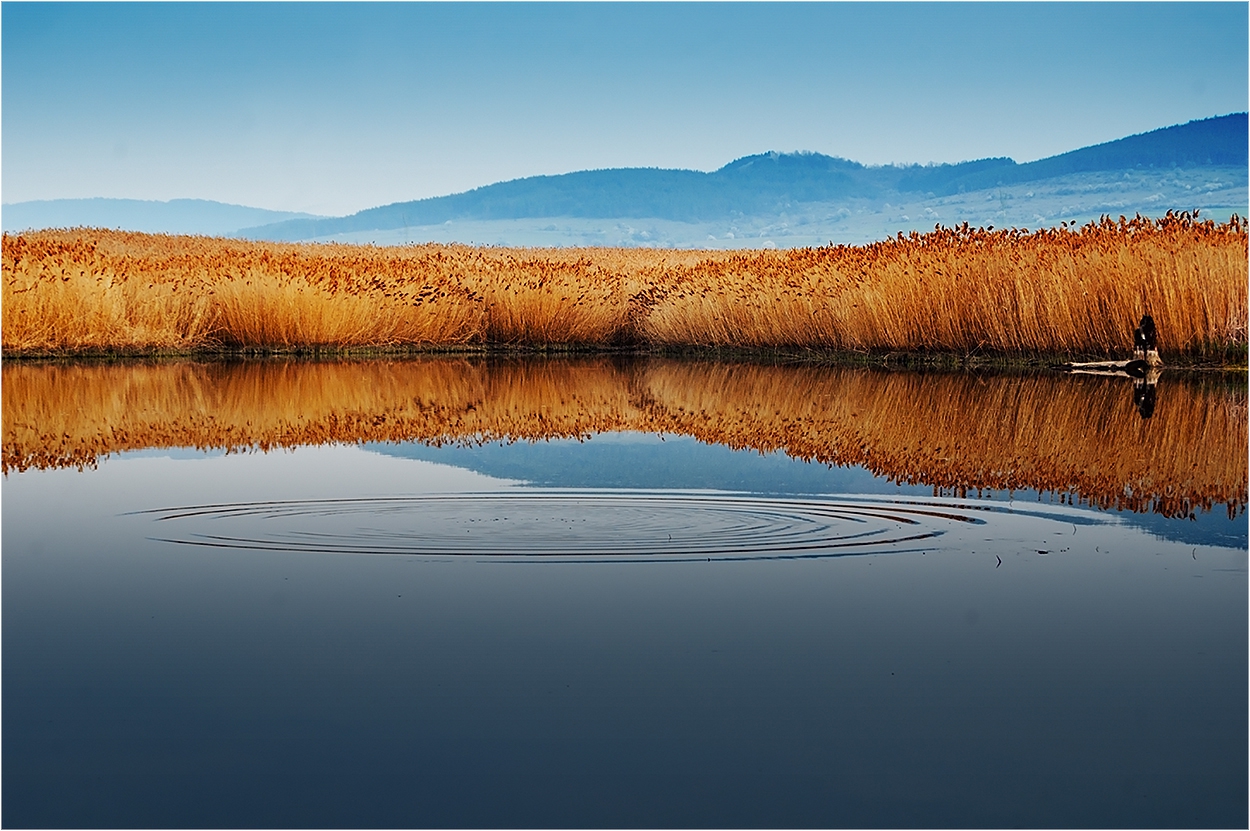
(771, 182)
(177, 216)
(770, 199)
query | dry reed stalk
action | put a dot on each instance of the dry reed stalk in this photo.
(538, 300)
(64, 294)
(956, 289)
(277, 310)
(968, 289)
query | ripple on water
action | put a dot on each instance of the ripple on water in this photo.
(581, 525)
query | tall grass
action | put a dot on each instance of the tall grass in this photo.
(1076, 436)
(1066, 290)
(965, 290)
(101, 290)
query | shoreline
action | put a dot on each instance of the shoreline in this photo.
(893, 359)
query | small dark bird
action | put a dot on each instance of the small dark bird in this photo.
(1145, 336)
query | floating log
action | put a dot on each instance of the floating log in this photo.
(1133, 369)
(1145, 363)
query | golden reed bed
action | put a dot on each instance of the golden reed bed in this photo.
(1056, 291)
(1080, 437)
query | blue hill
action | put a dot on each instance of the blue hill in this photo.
(177, 216)
(771, 182)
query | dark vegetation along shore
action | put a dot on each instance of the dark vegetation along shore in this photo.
(951, 296)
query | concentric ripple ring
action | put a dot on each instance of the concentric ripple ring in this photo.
(565, 525)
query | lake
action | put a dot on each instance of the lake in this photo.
(614, 591)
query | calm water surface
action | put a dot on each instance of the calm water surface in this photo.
(630, 593)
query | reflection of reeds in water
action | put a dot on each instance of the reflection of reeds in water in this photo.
(1074, 436)
(959, 432)
(70, 415)
(957, 289)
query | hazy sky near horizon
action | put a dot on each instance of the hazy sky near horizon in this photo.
(331, 108)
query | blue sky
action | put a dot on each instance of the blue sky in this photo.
(331, 108)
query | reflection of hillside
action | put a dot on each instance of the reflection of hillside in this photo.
(1077, 436)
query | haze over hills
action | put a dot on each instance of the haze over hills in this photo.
(772, 182)
(774, 199)
(177, 216)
